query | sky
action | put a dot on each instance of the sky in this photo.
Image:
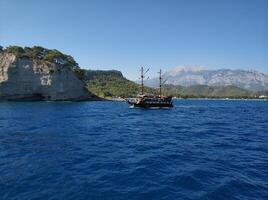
(126, 34)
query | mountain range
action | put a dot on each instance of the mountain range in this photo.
(196, 75)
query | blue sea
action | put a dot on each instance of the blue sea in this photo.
(200, 149)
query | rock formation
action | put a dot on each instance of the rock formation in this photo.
(23, 77)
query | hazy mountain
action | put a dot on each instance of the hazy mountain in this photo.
(195, 75)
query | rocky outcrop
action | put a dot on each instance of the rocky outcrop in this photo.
(24, 78)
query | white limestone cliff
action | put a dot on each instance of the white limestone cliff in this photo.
(29, 79)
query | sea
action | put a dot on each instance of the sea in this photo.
(200, 149)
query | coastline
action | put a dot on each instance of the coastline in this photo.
(209, 99)
(222, 99)
(124, 100)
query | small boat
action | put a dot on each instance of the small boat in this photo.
(149, 100)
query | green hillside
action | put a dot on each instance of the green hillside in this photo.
(204, 91)
(41, 55)
(112, 84)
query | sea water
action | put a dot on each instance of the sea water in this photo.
(200, 149)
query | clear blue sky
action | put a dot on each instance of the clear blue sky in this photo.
(123, 35)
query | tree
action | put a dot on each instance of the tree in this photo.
(18, 51)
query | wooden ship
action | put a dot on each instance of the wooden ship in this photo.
(150, 100)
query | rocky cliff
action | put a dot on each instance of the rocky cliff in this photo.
(30, 74)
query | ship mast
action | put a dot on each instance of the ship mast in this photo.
(160, 83)
(142, 77)
(143, 73)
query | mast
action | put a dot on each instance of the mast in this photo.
(142, 77)
(160, 83)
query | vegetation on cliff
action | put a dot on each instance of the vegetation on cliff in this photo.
(42, 55)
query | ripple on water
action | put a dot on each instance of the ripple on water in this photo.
(104, 150)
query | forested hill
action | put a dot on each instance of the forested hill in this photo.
(204, 91)
(112, 83)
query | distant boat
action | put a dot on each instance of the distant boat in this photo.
(149, 100)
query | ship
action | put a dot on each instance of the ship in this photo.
(144, 100)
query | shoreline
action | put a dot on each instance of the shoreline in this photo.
(221, 99)
(124, 100)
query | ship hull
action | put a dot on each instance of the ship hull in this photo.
(151, 103)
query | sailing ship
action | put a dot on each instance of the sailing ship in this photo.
(144, 100)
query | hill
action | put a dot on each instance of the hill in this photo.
(204, 91)
(112, 83)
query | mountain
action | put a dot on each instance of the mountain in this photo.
(195, 75)
(40, 74)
